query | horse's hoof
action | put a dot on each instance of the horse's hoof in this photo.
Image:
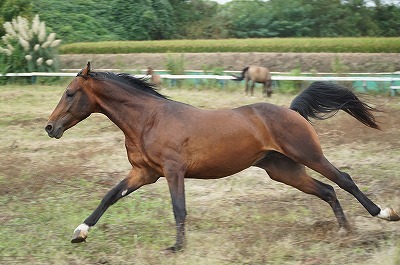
(394, 216)
(344, 231)
(79, 235)
(389, 214)
(173, 249)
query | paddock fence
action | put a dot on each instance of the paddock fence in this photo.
(389, 81)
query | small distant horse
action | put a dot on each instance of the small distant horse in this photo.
(170, 139)
(155, 78)
(256, 74)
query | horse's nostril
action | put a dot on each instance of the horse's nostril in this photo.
(49, 128)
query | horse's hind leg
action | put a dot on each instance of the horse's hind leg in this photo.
(265, 88)
(283, 169)
(303, 147)
(344, 181)
(268, 88)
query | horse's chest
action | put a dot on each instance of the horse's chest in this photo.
(139, 157)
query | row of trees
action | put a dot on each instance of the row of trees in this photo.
(92, 20)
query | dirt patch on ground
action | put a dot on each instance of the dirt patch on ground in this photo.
(276, 62)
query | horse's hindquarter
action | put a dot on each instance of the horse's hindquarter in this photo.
(293, 135)
(211, 144)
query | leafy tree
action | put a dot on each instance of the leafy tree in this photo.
(91, 20)
(322, 17)
(206, 21)
(249, 19)
(10, 9)
(359, 21)
(290, 18)
(77, 20)
(388, 19)
(312, 18)
(143, 20)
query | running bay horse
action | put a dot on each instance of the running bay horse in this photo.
(256, 74)
(169, 139)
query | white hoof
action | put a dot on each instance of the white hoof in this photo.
(80, 233)
(389, 214)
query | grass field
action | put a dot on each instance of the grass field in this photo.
(48, 187)
(361, 44)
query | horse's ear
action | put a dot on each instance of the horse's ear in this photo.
(86, 71)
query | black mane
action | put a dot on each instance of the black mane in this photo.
(134, 83)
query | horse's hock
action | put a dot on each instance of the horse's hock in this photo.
(276, 62)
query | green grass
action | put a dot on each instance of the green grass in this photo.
(48, 187)
(337, 45)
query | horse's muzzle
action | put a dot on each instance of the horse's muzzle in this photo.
(54, 131)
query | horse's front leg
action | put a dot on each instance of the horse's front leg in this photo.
(253, 83)
(132, 182)
(246, 90)
(175, 175)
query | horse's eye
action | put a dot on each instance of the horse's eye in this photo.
(69, 93)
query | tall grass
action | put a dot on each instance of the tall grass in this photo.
(364, 45)
(176, 65)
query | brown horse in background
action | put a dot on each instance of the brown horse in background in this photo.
(174, 140)
(256, 74)
(154, 78)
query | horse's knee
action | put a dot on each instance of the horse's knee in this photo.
(347, 183)
(328, 193)
(346, 176)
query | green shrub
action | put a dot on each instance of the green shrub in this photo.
(291, 87)
(175, 66)
(339, 67)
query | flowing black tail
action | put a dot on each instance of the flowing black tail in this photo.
(240, 78)
(322, 100)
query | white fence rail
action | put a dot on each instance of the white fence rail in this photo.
(227, 77)
(388, 79)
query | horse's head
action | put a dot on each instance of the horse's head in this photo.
(149, 71)
(75, 105)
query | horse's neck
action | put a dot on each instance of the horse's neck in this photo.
(129, 112)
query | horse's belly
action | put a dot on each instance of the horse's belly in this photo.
(221, 161)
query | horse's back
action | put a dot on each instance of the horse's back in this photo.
(260, 120)
(259, 74)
